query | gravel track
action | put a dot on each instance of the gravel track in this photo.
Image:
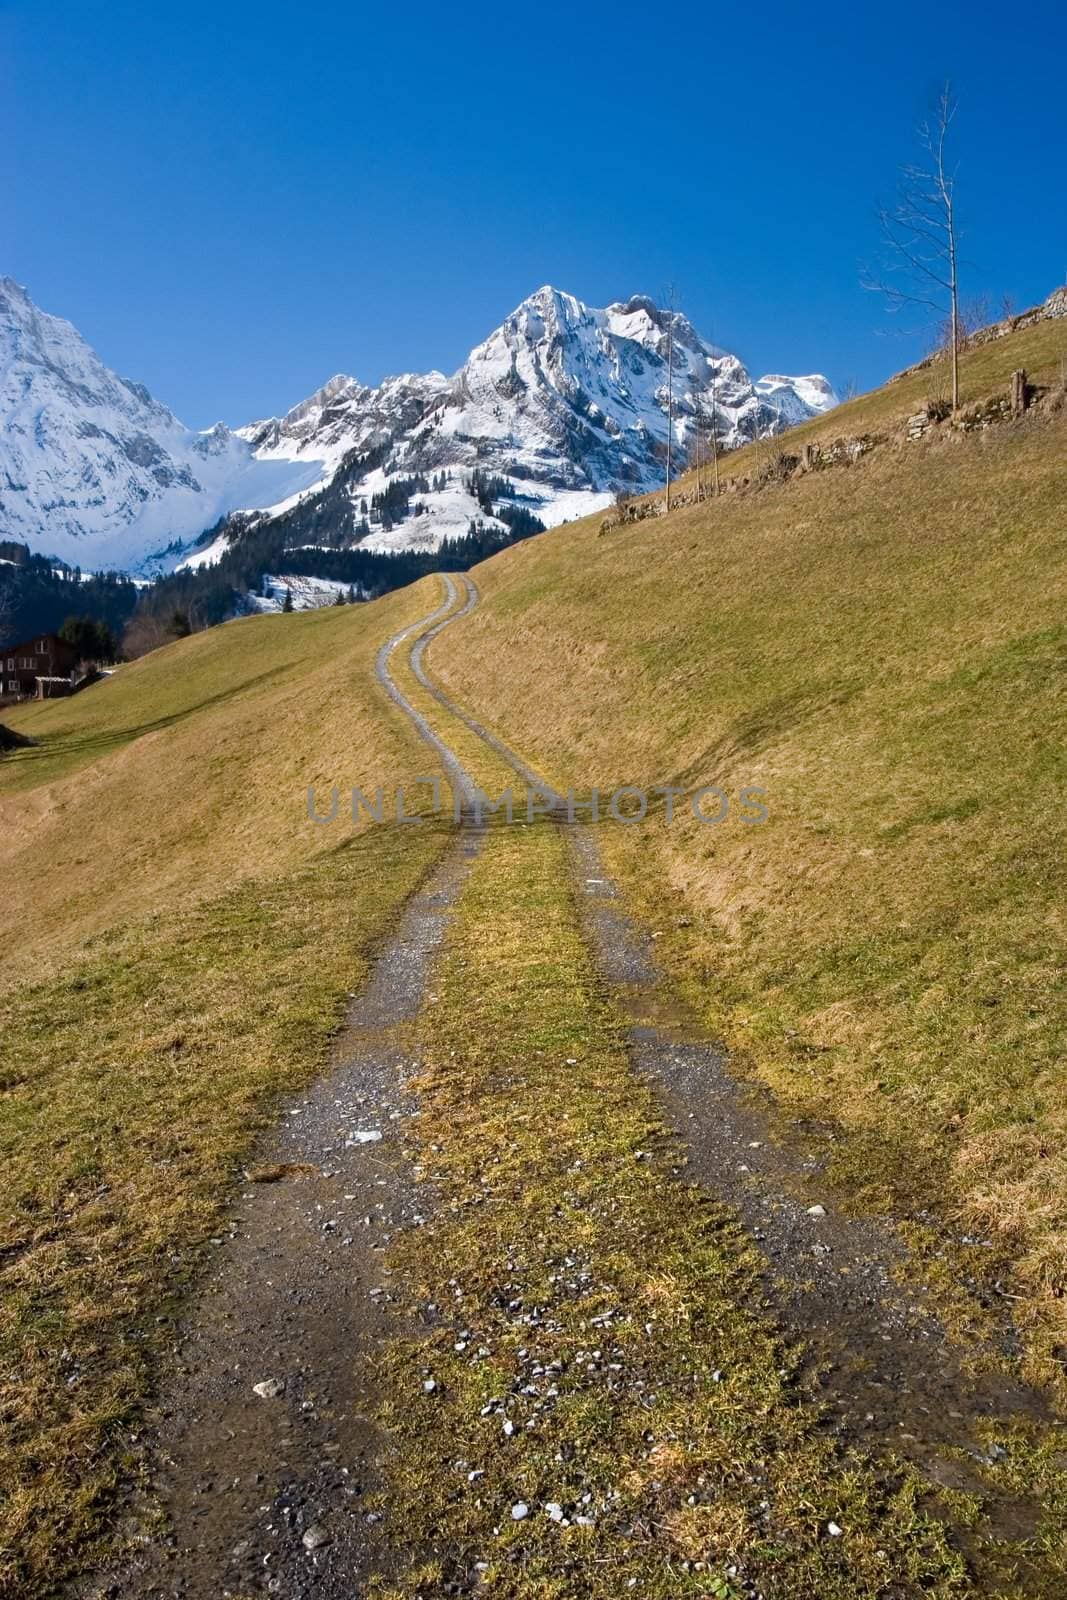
(877, 1354)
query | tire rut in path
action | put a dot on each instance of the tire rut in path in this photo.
(264, 1493)
(300, 1292)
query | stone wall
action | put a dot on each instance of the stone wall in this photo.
(1054, 306)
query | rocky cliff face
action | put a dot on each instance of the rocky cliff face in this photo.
(563, 405)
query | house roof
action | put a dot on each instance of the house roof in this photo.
(32, 643)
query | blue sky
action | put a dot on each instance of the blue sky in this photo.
(233, 202)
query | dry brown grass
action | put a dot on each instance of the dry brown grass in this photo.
(192, 939)
(187, 772)
(132, 1091)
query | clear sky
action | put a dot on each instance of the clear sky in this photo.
(234, 201)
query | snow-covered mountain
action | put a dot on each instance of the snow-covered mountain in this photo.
(558, 409)
(96, 472)
(346, 415)
(561, 406)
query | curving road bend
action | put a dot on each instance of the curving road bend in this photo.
(457, 775)
(425, 631)
(557, 802)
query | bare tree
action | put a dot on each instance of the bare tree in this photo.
(972, 315)
(708, 442)
(143, 633)
(920, 235)
(700, 450)
(715, 429)
(670, 388)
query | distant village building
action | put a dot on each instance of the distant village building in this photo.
(42, 668)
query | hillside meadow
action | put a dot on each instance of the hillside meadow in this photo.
(186, 943)
(187, 771)
(883, 650)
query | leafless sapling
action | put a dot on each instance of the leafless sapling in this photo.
(920, 233)
(670, 388)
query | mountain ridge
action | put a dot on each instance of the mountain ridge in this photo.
(563, 404)
(558, 408)
(94, 469)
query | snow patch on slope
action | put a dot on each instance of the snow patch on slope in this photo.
(567, 402)
(308, 594)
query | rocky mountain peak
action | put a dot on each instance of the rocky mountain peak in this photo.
(562, 405)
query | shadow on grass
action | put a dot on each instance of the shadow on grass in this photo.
(364, 843)
(68, 752)
(11, 739)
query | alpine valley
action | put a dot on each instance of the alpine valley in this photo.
(557, 411)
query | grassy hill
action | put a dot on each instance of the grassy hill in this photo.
(1039, 348)
(184, 945)
(187, 771)
(883, 650)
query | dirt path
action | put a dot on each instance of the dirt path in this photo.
(261, 1489)
(425, 631)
